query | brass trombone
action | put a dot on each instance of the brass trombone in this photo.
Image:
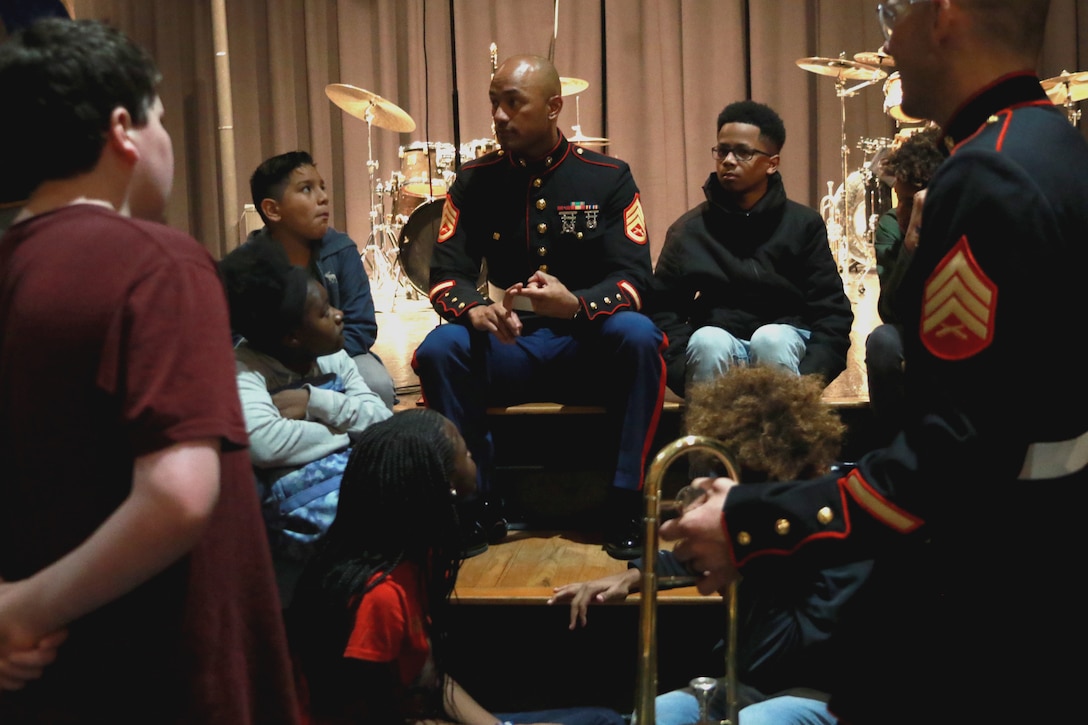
(647, 639)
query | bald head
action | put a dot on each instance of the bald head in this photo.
(532, 71)
(526, 99)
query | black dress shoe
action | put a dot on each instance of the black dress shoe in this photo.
(475, 540)
(492, 518)
(624, 540)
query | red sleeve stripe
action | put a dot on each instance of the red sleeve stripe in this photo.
(877, 506)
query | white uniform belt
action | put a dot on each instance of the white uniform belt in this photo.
(522, 304)
(1054, 459)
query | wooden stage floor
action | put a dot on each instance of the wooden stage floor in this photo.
(524, 568)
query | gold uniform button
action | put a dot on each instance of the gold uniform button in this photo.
(537, 183)
(578, 235)
(522, 162)
(541, 204)
(501, 152)
(592, 305)
(825, 515)
(542, 251)
(548, 161)
(992, 119)
(460, 306)
(744, 538)
(495, 236)
(607, 300)
(578, 150)
(541, 228)
(782, 527)
(543, 268)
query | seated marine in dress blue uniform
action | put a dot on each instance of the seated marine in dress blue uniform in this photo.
(568, 265)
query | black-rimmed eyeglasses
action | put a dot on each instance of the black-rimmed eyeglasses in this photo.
(742, 154)
(890, 12)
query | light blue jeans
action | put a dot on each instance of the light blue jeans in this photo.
(680, 707)
(711, 350)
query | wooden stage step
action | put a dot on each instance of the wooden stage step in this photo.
(524, 568)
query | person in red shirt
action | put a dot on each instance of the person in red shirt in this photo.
(368, 618)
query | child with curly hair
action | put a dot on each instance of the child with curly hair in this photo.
(777, 427)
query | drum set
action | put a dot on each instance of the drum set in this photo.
(853, 209)
(406, 208)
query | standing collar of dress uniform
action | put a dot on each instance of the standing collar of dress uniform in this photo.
(550, 160)
(1013, 89)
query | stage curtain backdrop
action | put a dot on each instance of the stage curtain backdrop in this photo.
(659, 71)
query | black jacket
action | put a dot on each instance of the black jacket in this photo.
(739, 270)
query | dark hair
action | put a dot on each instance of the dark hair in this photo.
(265, 292)
(774, 422)
(61, 79)
(396, 505)
(915, 160)
(770, 123)
(272, 176)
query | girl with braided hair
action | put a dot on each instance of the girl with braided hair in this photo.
(368, 619)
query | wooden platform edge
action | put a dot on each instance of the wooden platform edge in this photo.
(533, 596)
(670, 406)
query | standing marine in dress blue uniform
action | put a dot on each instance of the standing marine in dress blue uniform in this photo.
(971, 514)
(568, 262)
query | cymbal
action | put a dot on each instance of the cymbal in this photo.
(572, 86)
(588, 140)
(1066, 87)
(370, 107)
(841, 68)
(879, 59)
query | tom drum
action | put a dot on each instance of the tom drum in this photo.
(427, 168)
(478, 147)
(416, 244)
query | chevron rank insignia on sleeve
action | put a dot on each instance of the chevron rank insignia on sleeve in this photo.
(959, 304)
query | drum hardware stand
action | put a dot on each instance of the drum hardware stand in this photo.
(844, 256)
(871, 181)
(842, 70)
(572, 87)
(1071, 110)
(380, 253)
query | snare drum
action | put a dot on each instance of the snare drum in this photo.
(416, 244)
(426, 168)
(478, 147)
(893, 98)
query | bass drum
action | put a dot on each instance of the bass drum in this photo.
(416, 244)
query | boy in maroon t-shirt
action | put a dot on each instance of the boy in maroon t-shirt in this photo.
(137, 581)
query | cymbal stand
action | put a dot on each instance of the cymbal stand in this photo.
(577, 126)
(843, 249)
(380, 255)
(1070, 106)
(871, 182)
